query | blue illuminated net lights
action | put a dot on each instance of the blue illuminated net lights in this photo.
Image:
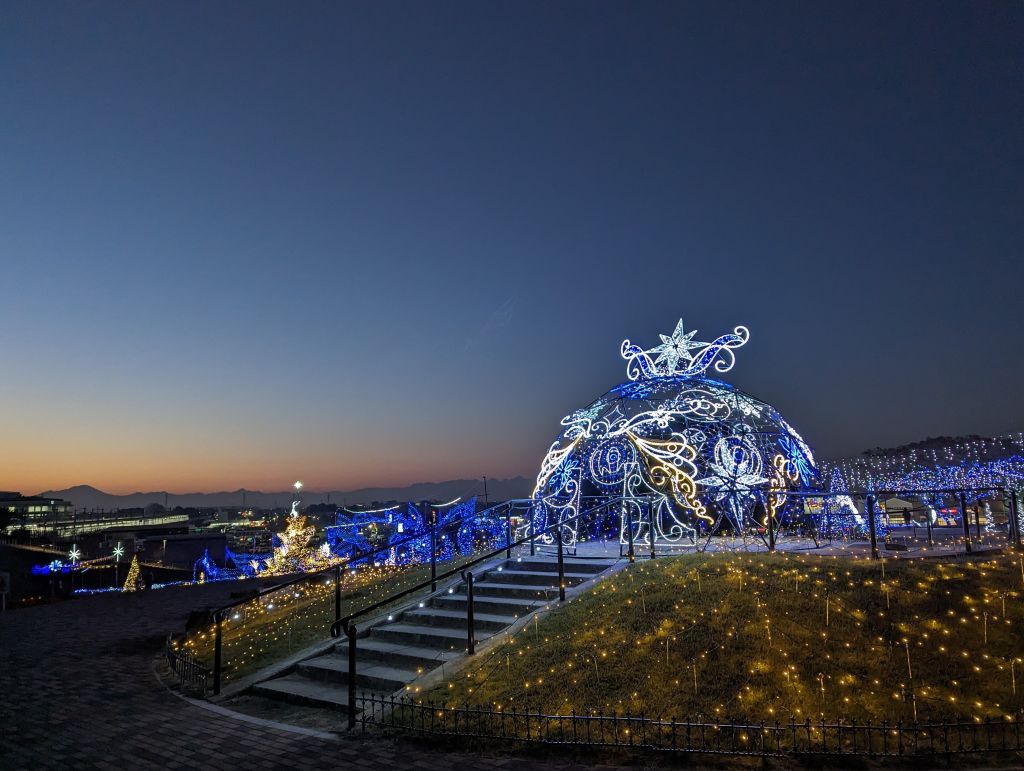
(700, 454)
(986, 469)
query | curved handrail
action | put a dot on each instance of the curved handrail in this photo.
(343, 623)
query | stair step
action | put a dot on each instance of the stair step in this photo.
(544, 564)
(432, 636)
(535, 577)
(487, 604)
(398, 654)
(297, 689)
(456, 619)
(370, 675)
(519, 591)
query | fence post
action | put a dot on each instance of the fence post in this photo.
(561, 566)
(1013, 518)
(771, 528)
(508, 532)
(629, 532)
(965, 521)
(470, 633)
(870, 506)
(350, 632)
(337, 593)
(928, 520)
(977, 521)
(218, 636)
(433, 556)
(533, 533)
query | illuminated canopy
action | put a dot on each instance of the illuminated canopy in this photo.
(698, 452)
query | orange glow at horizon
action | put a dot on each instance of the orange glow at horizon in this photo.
(123, 467)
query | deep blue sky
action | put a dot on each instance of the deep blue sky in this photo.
(387, 242)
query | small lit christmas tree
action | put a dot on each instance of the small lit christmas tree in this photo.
(133, 582)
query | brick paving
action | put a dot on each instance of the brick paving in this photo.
(78, 690)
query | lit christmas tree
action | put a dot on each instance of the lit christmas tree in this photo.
(296, 552)
(133, 582)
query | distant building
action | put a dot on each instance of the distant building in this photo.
(32, 512)
(59, 519)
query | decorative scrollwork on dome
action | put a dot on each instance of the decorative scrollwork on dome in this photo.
(680, 356)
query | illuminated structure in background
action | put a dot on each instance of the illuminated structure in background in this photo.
(984, 467)
(674, 450)
(939, 464)
(459, 531)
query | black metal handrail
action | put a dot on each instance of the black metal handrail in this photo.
(737, 737)
(339, 625)
(345, 623)
(217, 616)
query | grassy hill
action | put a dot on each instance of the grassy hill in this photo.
(769, 637)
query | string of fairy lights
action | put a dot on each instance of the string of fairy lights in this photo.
(769, 637)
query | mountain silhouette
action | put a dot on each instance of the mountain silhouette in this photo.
(89, 497)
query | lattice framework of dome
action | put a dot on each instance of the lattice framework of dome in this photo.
(685, 453)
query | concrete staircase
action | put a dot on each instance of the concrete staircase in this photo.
(431, 633)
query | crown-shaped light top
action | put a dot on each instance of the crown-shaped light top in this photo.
(680, 356)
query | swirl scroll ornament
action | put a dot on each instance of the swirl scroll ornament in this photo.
(784, 473)
(670, 466)
(673, 358)
(610, 460)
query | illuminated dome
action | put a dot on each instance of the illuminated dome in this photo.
(689, 452)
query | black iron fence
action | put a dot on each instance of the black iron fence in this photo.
(186, 667)
(659, 734)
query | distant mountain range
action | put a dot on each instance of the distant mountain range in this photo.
(87, 497)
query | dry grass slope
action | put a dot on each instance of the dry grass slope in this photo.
(769, 637)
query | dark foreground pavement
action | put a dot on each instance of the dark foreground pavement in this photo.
(78, 690)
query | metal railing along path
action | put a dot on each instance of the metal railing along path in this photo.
(660, 734)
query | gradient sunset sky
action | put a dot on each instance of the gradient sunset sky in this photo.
(379, 243)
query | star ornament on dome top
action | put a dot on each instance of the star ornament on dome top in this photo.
(675, 347)
(673, 358)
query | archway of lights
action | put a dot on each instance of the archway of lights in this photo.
(987, 468)
(673, 453)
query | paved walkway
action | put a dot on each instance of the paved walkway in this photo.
(78, 690)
